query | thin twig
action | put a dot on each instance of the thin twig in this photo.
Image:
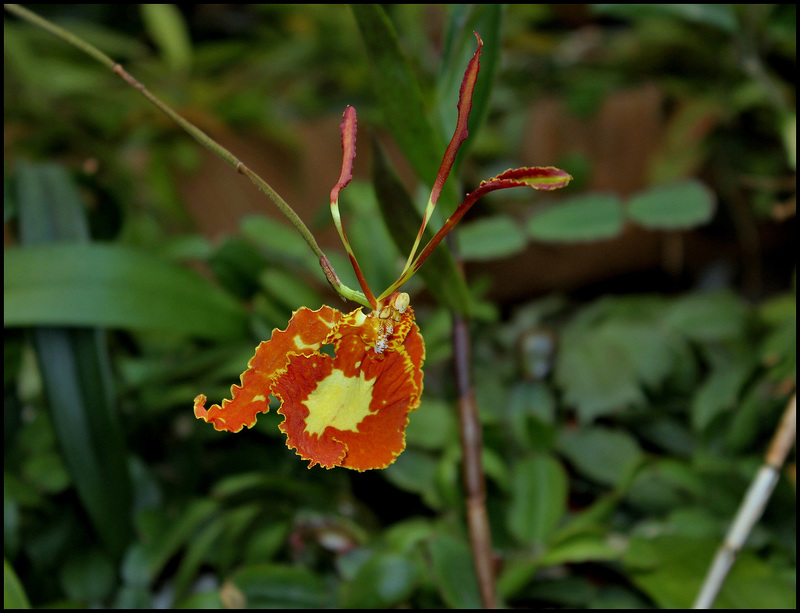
(752, 506)
(471, 448)
(203, 139)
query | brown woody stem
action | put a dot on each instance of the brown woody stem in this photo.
(471, 448)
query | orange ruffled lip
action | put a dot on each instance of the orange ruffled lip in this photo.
(350, 409)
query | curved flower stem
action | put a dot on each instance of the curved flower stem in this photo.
(471, 449)
(204, 140)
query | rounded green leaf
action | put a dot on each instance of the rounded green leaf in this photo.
(672, 207)
(490, 238)
(415, 471)
(586, 218)
(598, 373)
(708, 316)
(433, 426)
(539, 499)
(607, 456)
(381, 582)
(453, 572)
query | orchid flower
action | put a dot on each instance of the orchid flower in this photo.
(351, 409)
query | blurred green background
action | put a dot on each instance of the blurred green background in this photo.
(634, 334)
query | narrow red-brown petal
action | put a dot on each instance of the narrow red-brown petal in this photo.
(461, 132)
(459, 136)
(349, 128)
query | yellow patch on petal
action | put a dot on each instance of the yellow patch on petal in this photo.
(348, 409)
(338, 401)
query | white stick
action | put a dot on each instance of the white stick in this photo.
(752, 507)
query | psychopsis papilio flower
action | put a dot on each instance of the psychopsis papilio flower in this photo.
(351, 408)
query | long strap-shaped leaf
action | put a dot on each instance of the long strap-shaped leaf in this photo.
(113, 286)
(75, 369)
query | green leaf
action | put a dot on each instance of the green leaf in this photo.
(383, 581)
(88, 577)
(164, 538)
(453, 572)
(273, 586)
(366, 229)
(76, 372)
(288, 290)
(440, 272)
(264, 541)
(459, 46)
(74, 363)
(663, 485)
(432, 426)
(236, 263)
(199, 548)
(614, 350)
(490, 238)
(167, 28)
(683, 149)
(538, 499)
(719, 393)
(279, 242)
(415, 471)
(586, 218)
(607, 456)
(50, 206)
(569, 591)
(672, 207)
(597, 370)
(530, 411)
(670, 569)
(718, 16)
(116, 287)
(579, 548)
(14, 596)
(398, 92)
(708, 316)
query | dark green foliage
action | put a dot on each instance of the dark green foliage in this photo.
(621, 428)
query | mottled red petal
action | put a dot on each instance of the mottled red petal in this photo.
(306, 333)
(347, 410)
(352, 410)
